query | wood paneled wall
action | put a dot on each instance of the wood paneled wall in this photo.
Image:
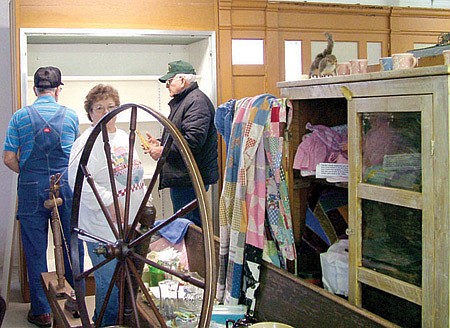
(144, 14)
(396, 28)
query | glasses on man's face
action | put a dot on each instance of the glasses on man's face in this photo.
(102, 109)
(169, 81)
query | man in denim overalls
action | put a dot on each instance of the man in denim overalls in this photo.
(37, 145)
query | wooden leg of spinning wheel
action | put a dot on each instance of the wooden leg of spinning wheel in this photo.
(56, 300)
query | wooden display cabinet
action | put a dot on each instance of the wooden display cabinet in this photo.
(398, 189)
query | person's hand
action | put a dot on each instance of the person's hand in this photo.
(152, 140)
(155, 152)
(155, 148)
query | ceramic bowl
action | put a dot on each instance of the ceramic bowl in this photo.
(270, 325)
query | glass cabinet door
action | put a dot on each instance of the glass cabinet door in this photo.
(392, 240)
(388, 137)
(391, 149)
(391, 157)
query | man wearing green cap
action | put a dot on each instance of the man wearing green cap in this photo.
(192, 112)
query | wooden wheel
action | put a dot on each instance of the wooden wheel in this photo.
(131, 245)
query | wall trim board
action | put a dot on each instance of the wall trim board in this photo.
(248, 70)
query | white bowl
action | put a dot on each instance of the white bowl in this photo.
(270, 325)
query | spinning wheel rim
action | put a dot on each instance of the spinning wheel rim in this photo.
(200, 191)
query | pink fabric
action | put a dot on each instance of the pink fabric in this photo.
(329, 138)
(323, 145)
(338, 157)
(309, 153)
(255, 199)
(381, 140)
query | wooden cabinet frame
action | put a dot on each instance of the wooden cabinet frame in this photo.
(424, 90)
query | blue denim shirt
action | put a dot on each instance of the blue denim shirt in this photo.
(224, 119)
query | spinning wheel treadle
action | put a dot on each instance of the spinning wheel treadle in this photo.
(131, 245)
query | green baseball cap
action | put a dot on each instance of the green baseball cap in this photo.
(177, 67)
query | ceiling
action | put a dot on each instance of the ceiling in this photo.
(436, 4)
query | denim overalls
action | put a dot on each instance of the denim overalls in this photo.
(47, 158)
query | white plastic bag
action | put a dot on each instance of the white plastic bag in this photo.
(334, 264)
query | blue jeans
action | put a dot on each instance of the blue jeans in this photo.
(181, 196)
(103, 278)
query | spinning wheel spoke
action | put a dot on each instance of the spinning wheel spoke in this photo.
(180, 213)
(86, 273)
(131, 141)
(112, 181)
(183, 276)
(132, 240)
(84, 233)
(121, 298)
(105, 211)
(132, 293)
(115, 277)
(152, 184)
(147, 294)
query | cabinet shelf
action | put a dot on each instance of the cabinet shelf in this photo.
(306, 182)
(141, 89)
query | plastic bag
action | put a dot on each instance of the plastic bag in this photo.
(334, 264)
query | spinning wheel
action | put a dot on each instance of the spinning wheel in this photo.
(131, 244)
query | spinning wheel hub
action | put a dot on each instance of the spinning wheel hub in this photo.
(119, 250)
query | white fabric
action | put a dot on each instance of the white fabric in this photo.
(91, 217)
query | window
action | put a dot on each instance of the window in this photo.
(344, 51)
(292, 60)
(247, 52)
(373, 52)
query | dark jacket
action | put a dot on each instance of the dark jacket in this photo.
(192, 112)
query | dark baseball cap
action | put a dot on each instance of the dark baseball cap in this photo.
(47, 77)
(177, 67)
